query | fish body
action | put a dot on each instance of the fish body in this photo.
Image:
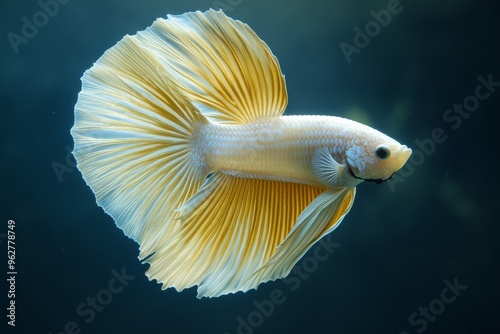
(179, 132)
(286, 148)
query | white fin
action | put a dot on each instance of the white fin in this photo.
(326, 168)
(132, 137)
(220, 63)
(229, 230)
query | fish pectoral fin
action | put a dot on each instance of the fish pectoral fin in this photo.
(321, 217)
(326, 168)
(219, 63)
(228, 231)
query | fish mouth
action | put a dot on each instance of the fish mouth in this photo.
(403, 154)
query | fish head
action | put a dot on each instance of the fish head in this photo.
(376, 159)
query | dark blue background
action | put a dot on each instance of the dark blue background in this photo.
(396, 247)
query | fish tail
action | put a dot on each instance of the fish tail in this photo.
(132, 134)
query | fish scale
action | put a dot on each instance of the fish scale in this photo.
(282, 148)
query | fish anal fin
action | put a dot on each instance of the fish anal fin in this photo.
(321, 217)
(229, 229)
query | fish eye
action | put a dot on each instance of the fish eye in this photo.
(382, 152)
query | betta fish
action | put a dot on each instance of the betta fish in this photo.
(179, 132)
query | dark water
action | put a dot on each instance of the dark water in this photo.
(387, 269)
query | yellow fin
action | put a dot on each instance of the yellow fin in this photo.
(132, 137)
(231, 229)
(321, 217)
(221, 65)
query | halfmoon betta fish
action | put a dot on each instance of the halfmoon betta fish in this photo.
(179, 131)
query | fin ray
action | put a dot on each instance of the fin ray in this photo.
(231, 228)
(220, 63)
(132, 138)
(321, 217)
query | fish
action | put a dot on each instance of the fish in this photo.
(179, 132)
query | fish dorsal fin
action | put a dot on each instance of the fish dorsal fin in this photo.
(220, 64)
